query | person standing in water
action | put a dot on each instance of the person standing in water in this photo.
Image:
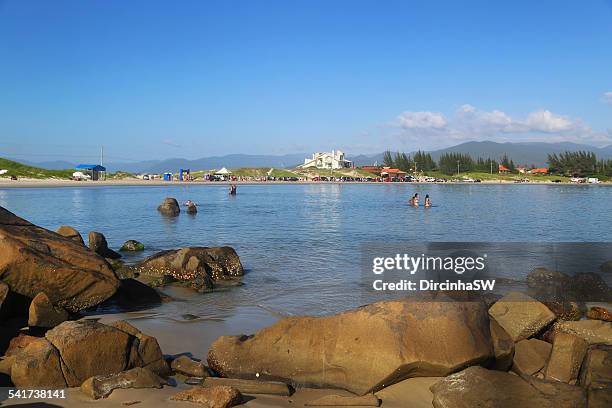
(427, 201)
(414, 200)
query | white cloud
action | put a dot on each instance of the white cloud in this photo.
(421, 120)
(546, 121)
(607, 97)
(471, 123)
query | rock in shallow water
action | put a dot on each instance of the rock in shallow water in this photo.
(479, 387)
(132, 246)
(362, 350)
(98, 244)
(102, 386)
(36, 260)
(169, 207)
(70, 233)
(197, 267)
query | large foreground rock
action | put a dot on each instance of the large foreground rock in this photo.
(169, 207)
(77, 350)
(36, 260)
(362, 350)
(479, 387)
(520, 315)
(198, 267)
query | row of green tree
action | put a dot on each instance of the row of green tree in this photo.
(581, 164)
(448, 163)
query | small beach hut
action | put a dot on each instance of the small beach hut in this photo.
(96, 171)
(223, 173)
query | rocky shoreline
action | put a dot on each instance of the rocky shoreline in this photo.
(536, 349)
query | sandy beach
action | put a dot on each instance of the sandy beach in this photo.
(57, 183)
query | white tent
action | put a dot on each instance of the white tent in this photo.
(3, 171)
(223, 172)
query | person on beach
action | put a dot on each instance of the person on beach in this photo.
(427, 201)
(414, 200)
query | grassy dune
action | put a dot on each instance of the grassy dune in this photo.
(22, 170)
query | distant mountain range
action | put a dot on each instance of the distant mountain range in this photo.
(525, 153)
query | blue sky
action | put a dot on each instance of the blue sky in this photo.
(152, 79)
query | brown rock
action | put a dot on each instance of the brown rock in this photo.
(187, 366)
(78, 350)
(36, 260)
(18, 343)
(89, 348)
(566, 358)
(251, 386)
(592, 331)
(198, 267)
(44, 314)
(596, 368)
(361, 350)
(145, 351)
(368, 400)
(38, 366)
(98, 244)
(479, 387)
(6, 364)
(530, 356)
(102, 386)
(132, 245)
(4, 290)
(520, 315)
(600, 313)
(600, 397)
(70, 233)
(192, 209)
(503, 346)
(213, 397)
(169, 207)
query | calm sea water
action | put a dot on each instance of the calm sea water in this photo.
(301, 243)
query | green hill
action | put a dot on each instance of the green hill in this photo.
(22, 170)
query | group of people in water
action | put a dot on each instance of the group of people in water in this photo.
(414, 201)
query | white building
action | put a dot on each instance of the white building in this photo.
(327, 160)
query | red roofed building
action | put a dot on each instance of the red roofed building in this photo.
(390, 173)
(503, 169)
(541, 170)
